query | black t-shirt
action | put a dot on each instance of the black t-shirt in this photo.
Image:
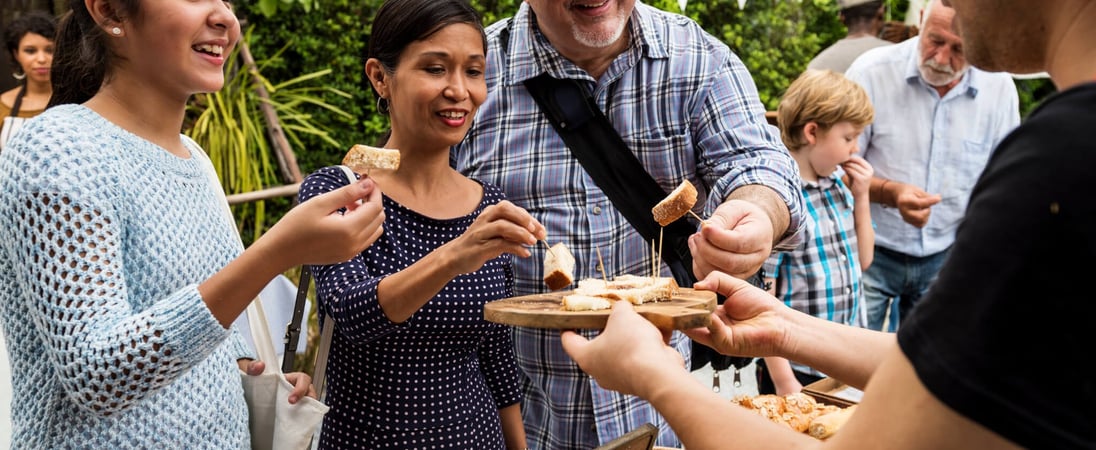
(1002, 335)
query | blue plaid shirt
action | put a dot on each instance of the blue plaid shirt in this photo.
(688, 109)
(821, 276)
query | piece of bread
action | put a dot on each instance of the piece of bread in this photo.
(799, 403)
(363, 158)
(675, 205)
(559, 267)
(579, 302)
(799, 412)
(826, 425)
(633, 289)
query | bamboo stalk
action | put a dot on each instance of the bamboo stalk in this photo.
(287, 161)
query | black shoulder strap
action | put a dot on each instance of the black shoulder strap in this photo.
(18, 100)
(594, 142)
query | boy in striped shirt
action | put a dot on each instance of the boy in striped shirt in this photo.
(820, 119)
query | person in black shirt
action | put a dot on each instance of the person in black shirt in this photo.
(968, 368)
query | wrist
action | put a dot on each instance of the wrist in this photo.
(880, 194)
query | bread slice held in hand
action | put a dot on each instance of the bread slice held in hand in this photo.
(675, 205)
(363, 158)
(559, 267)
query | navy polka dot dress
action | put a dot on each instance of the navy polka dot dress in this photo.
(435, 381)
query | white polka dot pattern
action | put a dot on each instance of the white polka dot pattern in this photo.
(435, 381)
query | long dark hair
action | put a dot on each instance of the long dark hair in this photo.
(82, 59)
(398, 23)
(35, 22)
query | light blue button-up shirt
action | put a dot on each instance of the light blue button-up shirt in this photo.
(940, 144)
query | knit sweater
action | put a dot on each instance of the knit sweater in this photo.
(104, 238)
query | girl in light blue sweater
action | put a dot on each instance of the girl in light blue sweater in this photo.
(121, 274)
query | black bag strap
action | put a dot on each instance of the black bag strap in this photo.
(18, 100)
(596, 145)
(293, 329)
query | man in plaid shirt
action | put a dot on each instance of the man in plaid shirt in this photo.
(688, 109)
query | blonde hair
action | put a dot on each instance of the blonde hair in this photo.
(824, 97)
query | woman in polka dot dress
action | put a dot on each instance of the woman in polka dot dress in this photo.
(413, 364)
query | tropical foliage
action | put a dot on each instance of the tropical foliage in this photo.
(230, 126)
(331, 107)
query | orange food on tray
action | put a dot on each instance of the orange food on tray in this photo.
(799, 412)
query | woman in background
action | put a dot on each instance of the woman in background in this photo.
(413, 364)
(29, 40)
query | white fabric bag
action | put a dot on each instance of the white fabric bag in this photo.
(275, 424)
(11, 125)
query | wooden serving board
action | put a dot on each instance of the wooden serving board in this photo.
(690, 308)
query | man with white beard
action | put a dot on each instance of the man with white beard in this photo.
(936, 122)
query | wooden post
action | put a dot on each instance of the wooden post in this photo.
(287, 161)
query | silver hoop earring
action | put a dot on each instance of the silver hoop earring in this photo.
(116, 31)
(19, 76)
(382, 105)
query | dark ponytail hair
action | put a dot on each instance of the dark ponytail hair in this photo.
(82, 59)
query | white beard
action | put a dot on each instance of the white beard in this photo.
(595, 39)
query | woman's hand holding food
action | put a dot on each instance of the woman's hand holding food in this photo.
(500, 228)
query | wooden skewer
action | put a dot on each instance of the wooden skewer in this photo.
(654, 255)
(601, 265)
(549, 247)
(702, 221)
(653, 277)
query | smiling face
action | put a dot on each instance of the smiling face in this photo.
(434, 91)
(582, 25)
(831, 147)
(178, 46)
(35, 56)
(942, 60)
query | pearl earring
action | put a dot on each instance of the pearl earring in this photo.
(116, 31)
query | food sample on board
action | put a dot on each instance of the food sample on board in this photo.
(675, 205)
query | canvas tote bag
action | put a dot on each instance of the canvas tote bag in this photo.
(275, 424)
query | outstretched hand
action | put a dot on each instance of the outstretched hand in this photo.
(629, 356)
(749, 323)
(736, 239)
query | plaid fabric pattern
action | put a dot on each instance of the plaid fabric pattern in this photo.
(821, 277)
(688, 109)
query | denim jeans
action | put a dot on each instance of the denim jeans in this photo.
(895, 282)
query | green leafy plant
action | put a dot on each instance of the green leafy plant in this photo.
(271, 8)
(229, 125)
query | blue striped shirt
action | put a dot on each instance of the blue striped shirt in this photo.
(821, 276)
(688, 109)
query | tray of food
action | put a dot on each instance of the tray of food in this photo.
(801, 412)
(585, 308)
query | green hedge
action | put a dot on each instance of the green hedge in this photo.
(774, 38)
